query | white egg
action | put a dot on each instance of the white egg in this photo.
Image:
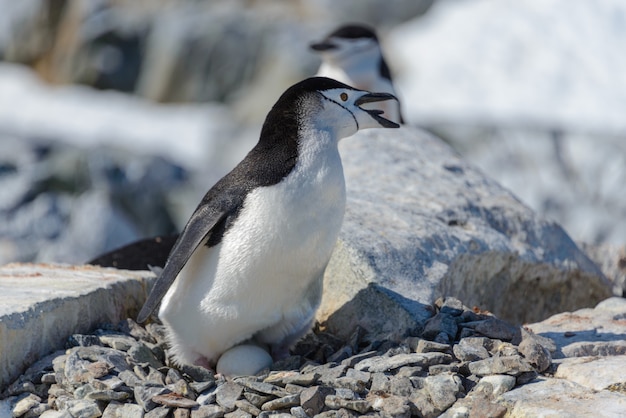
(243, 360)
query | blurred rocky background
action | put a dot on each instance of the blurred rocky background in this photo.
(117, 115)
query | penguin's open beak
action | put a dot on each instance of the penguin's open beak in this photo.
(375, 113)
(322, 46)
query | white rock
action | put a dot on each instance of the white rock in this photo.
(561, 398)
(597, 373)
(243, 360)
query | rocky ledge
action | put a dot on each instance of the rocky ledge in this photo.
(463, 363)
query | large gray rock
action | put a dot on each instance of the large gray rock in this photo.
(422, 223)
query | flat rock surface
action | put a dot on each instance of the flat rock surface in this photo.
(41, 305)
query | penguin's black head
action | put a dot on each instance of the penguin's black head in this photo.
(327, 105)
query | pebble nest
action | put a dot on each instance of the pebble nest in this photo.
(457, 365)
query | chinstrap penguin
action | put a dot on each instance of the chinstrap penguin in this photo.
(352, 54)
(250, 261)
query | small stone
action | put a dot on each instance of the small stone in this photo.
(409, 371)
(421, 405)
(247, 406)
(425, 346)
(37, 411)
(498, 329)
(182, 413)
(155, 377)
(110, 383)
(513, 365)
(140, 353)
(256, 399)
(380, 383)
(118, 341)
(207, 411)
(24, 405)
(351, 383)
(383, 364)
(534, 352)
(293, 389)
(200, 387)
(144, 395)
(304, 379)
(443, 390)
(49, 378)
(298, 412)
(124, 410)
(282, 403)
(471, 349)
(238, 413)
(340, 355)
(174, 400)
(99, 369)
(181, 387)
(329, 374)
(390, 405)
(83, 340)
(495, 385)
(128, 326)
(107, 395)
(443, 368)
(312, 399)
(84, 409)
(198, 373)
(172, 376)
(129, 378)
(227, 394)
(441, 323)
(336, 402)
(351, 361)
(450, 306)
(208, 396)
(262, 387)
(158, 412)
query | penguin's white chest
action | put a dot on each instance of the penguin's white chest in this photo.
(266, 263)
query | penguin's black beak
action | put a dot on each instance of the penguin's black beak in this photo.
(375, 113)
(322, 46)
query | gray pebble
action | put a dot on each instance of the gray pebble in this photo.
(257, 399)
(122, 410)
(336, 402)
(262, 387)
(118, 341)
(174, 400)
(238, 413)
(207, 411)
(27, 402)
(471, 349)
(513, 365)
(158, 412)
(282, 403)
(312, 399)
(351, 361)
(443, 390)
(227, 394)
(246, 406)
(140, 353)
(84, 409)
(144, 394)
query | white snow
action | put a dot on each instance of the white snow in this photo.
(534, 62)
(189, 134)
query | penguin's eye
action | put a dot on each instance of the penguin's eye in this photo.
(344, 96)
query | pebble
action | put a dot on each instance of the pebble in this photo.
(462, 358)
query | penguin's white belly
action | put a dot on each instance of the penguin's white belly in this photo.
(260, 272)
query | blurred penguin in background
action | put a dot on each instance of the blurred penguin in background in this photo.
(352, 55)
